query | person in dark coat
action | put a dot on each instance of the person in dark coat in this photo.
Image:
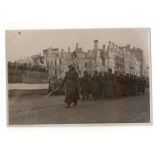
(95, 85)
(127, 86)
(120, 85)
(123, 81)
(105, 83)
(135, 86)
(109, 84)
(71, 81)
(101, 85)
(84, 86)
(139, 86)
(131, 81)
(116, 84)
(143, 85)
(49, 85)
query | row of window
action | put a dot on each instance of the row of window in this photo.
(56, 62)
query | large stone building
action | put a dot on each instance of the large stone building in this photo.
(124, 59)
(81, 60)
(57, 61)
(98, 57)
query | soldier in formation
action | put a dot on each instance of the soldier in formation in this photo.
(95, 85)
(98, 85)
(109, 85)
(85, 86)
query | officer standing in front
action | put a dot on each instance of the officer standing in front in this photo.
(71, 81)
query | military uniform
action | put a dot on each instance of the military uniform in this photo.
(127, 85)
(131, 81)
(101, 85)
(116, 85)
(109, 84)
(119, 85)
(104, 83)
(95, 85)
(135, 85)
(143, 85)
(71, 81)
(139, 86)
(84, 86)
(123, 85)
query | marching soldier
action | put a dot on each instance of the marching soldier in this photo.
(123, 85)
(49, 85)
(139, 86)
(101, 85)
(95, 85)
(135, 86)
(105, 83)
(84, 86)
(131, 81)
(127, 87)
(116, 84)
(109, 84)
(143, 85)
(71, 81)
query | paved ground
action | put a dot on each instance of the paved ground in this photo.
(35, 109)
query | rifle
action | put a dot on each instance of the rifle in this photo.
(55, 90)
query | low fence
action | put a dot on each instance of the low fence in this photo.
(34, 77)
(14, 76)
(18, 76)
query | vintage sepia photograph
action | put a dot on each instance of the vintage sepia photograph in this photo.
(78, 76)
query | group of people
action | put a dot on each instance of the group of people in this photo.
(111, 85)
(98, 85)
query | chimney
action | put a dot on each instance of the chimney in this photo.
(95, 45)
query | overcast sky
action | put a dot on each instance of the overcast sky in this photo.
(30, 42)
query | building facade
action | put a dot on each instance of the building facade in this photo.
(123, 59)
